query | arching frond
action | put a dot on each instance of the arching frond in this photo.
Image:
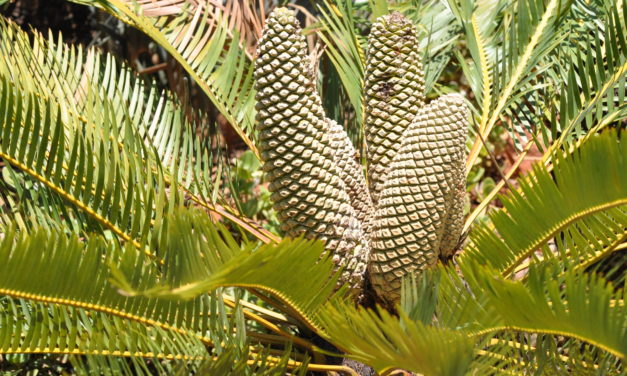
(438, 33)
(506, 41)
(578, 92)
(345, 49)
(75, 274)
(231, 361)
(41, 328)
(569, 304)
(532, 353)
(85, 315)
(384, 342)
(481, 311)
(474, 317)
(108, 103)
(87, 175)
(592, 95)
(582, 206)
(198, 37)
(205, 259)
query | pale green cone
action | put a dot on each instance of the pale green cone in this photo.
(416, 157)
(454, 219)
(394, 91)
(419, 196)
(295, 141)
(352, 174)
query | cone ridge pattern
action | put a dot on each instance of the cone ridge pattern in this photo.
(394, 91)
(296, 145)
(410, 212)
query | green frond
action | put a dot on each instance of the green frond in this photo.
(234, 363)
(594, 83)
(77, 138)
(575, 91)
(70, 281)
(438, 35)
(570, 305)
(231, 361)
(524, 353)
(99, 163)
(109, 104)
(29, 205)
(103, 99)
(205, 48)
(40, 328)
(551, 323)
(581, 205)
(88, 176)
(504, 56)
(76, 274)
(344, 49)
(345, 46)
(201, 258)
(573, 308)
(386, 342)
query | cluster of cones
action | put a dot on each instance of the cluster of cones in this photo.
(410, 210)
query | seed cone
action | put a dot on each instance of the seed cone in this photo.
(411, 212)
(419, 196)
(352, 174)
(296, 145)
(394, 92)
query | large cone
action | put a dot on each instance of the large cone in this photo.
(394, 92)
(352, 174)
(419, 197)
(297, 149)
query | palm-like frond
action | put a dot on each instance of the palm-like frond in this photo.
(70, 282)
(345, 49)
(103, 152)
(386, 343)
(480, 310)
(41, 328)
(553, 208)
(204, 260)
(95, 152)
(113, 106)
(532, 353)
(469, 312)
(75, 274)
(197, 36)
(101, 343)
(474, 317)
(506, 42)
(88, 176)
(556, 304)
(438, 34)
(83, 129)
(579, 92)
(592, 95)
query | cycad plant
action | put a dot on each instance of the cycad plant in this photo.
(124, 249)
